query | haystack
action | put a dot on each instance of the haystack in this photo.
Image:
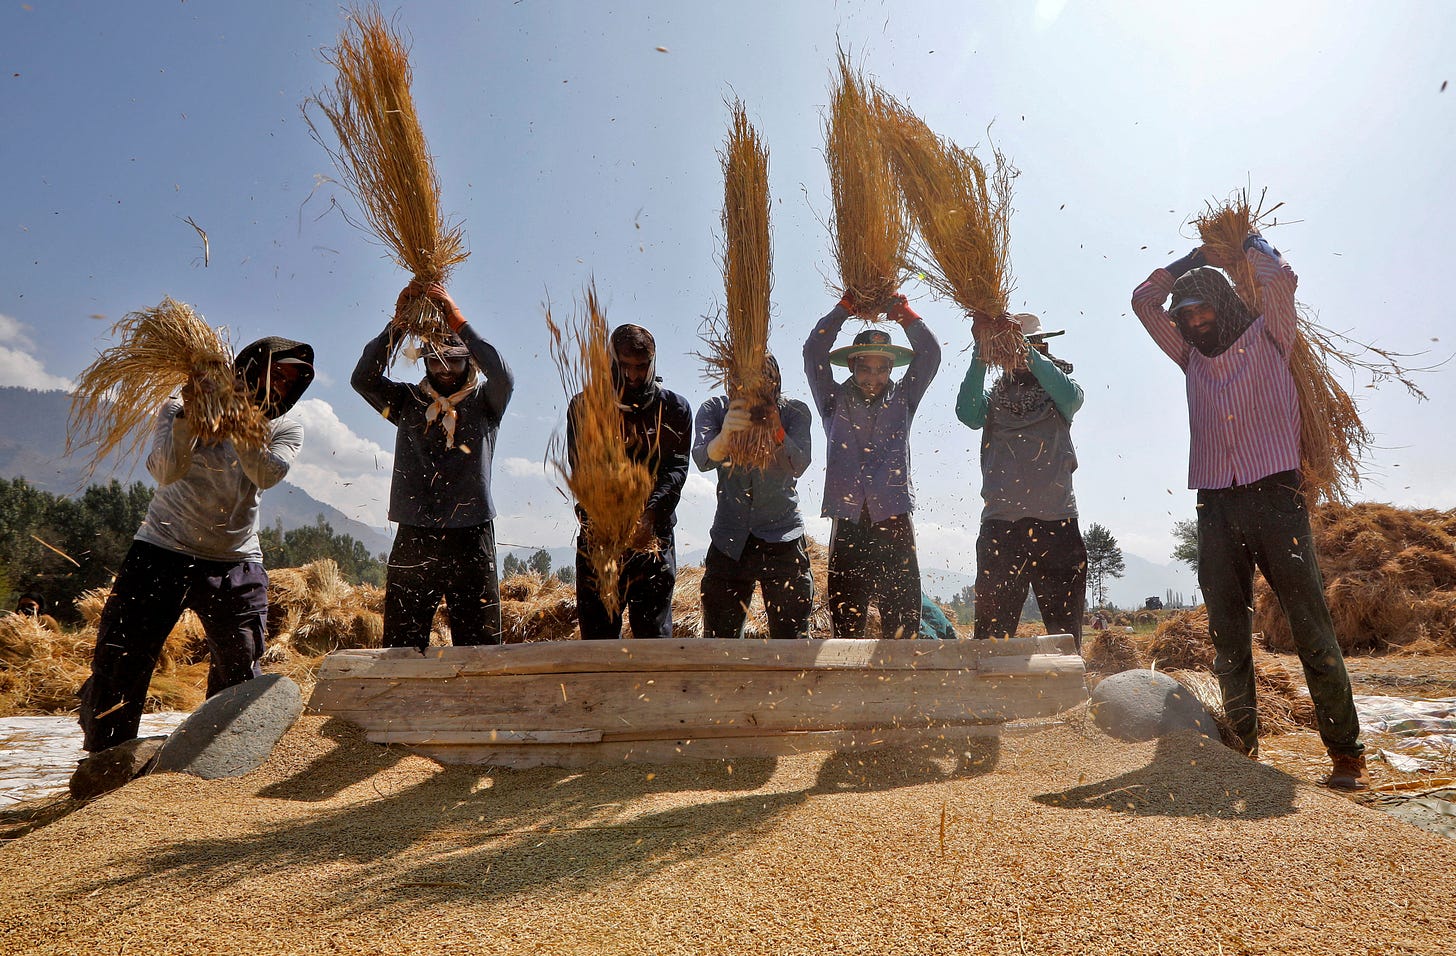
(162, 351)
(1181, 642)
(313, 610)
(610, 489)
(1390, 579)
(534, 608)
(1111, 651)
(962, 212)
(869, 233)
(737, 344)
(385, 163)
(186, 644)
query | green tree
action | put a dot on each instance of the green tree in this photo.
(512, 566)
(309, 543)
(540, 563)
(1185, 548)
(566, 574)
(1104, 561)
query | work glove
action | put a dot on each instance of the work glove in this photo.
(900, 310)
(1194, 260)
(1256, 241)
(846, 302)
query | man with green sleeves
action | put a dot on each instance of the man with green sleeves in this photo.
(1029, 534)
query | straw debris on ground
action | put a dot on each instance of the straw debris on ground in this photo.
(160, 350)
(385, 162)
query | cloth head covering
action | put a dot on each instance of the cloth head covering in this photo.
(872, 342)
(1208, 286)
(635, 338)
(255, 360)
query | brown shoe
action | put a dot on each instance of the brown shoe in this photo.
(1349, 773)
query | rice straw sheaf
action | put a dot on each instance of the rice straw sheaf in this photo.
(962, 212)
(737, 346)
(385, 162)
(1332, 438)
(869, 233)
(160, 350)
(608, 486)
(1112, 651)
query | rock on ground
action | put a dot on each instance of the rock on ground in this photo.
(233, 732)
(1142, 705)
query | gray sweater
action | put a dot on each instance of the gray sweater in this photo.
(206, 504)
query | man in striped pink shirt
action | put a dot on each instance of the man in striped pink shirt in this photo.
(1243, 415)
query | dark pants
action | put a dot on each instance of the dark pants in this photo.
(644, 591)
(876, 560)
(152, 589)
(1265, 524)
(456, 563)
(781, 568)
(1049, 557)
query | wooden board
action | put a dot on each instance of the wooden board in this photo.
(569, 703)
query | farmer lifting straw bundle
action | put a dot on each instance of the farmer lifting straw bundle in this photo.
(385, 162)
(962, 212)
(163, 350)
(869, 235)
(737, 356)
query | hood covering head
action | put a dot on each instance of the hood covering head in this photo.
(256, 359)
(1207, 286)
(451, 347)
(634, 338)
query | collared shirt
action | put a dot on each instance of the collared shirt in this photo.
(1243, 405)
(869, 439)
(762, 502)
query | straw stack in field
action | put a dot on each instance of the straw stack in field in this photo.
(160, 351)
(1332, 438)
(313, 610)
(609, 488)
(737, 348)
(868, 233)
(186, 643)
(962, 211)
(385, 162)
(534, 608)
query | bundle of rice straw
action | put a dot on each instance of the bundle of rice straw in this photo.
(962, 212)
(609, 487)
(1332, 438)
(161, 350)
(737, 355)
(313, 610)
(869, 235)
(385, 162)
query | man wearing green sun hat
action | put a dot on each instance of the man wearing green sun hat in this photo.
(867, 488)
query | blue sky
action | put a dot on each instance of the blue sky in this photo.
(571, 147)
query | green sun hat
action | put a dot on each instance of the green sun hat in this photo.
(872, 342)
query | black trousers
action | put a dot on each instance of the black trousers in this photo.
(1047, 557)
(152, 589)
(455, 563)
(1266, 525)
(644, 593)
(874, 560)
(781, 568)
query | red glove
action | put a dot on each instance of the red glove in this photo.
(847, 302)
(900, 310)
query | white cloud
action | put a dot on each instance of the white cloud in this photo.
(340, 467)
(1048, 12)
(523, 468)
(18, 366)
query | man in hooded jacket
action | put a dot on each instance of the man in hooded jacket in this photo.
(439, 496)
(1029, 534)
(197, 548)
(1243, 413)
(657, 427)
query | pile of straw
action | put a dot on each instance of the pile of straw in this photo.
(1332, 438)
(186, 644)
(1111, 651)
(869, 235)
(534, 608)
(161, 350)
(1390, 579)
(312, 610)
(385, 162)
(1181, 642)
(962, 212)
(609, 488)
(737, 355)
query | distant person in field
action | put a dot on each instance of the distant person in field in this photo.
(1243, 413)
(657, 427)
(197, 548)
(867, 487)
(33, 605)
(445, 433)
(758, 531)
(1029, 536)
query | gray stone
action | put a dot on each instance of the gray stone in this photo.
(114, 767)
(1140, 705)
(233, 732)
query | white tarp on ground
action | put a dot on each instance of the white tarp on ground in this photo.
(1429, 727)
(38, 754)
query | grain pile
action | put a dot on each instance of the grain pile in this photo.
(1059, 842)
(1390, 579)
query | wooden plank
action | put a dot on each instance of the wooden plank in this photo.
(487, 737)
(1034, 665)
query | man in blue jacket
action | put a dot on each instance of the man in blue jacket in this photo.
(1029, 534)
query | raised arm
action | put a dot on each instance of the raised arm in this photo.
(1277, 282)
(267, 466)
(368, 378)
(817, 347)
(926, 362)
(1147, 304)
(971, 402)
(172, 443)
(499, 383)
(707, 426)
(674, 444)
(1066, 394)
(797, 448)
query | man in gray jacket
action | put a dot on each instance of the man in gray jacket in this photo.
(446, 427)
(197, 548)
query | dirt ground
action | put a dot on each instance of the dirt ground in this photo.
(1046, 841)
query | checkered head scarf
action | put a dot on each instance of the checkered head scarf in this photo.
(1210, 286)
